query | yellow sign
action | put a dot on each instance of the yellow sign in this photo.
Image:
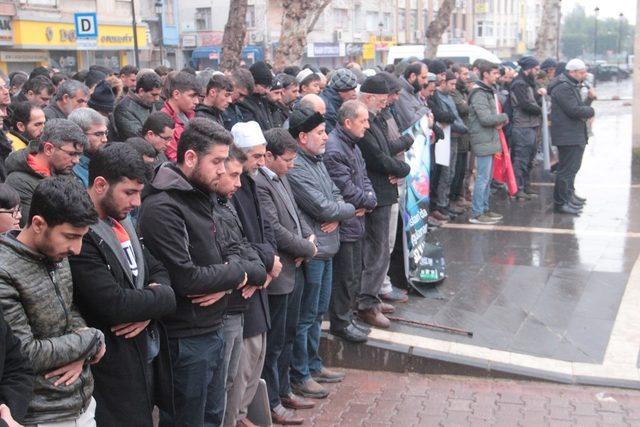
(482, 7)
(368, 51)
(51, 35)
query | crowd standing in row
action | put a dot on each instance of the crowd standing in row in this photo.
(171, 237)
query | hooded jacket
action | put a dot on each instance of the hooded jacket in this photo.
(211, 113)
(483, 119)
(409, 108)
(107, 293)
(346, 167)
(130, 115)
(177, 224)
(569, 113)
(23, 179)
(319, 200)
(36, 297)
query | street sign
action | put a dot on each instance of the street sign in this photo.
(86, 25)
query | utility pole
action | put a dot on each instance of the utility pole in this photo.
(134, 24)
(621, 16)
(159, 6)
(595, 36)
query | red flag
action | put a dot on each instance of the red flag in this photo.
(502, 166)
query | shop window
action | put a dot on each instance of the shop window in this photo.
(203, 18)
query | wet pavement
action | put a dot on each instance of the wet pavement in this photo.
(407, 400)
(541, 284)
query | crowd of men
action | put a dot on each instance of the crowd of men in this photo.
(172, 237)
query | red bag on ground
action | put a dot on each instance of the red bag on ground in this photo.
(502, 166)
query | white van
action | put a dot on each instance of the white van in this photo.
(458, 53)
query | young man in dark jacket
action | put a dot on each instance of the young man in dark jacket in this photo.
(16, 378)
(527, 112)
(134, 109)
(323, 208)
(258, 231)
(176, 221)
(569, 115)
(384, 171)
(216, 100)
(122, 290)
(295, 242)
(347, 169)
(255, 107)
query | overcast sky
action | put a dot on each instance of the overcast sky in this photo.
(608, 8)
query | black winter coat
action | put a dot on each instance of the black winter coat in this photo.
(333, 102)
(210, 113)
(106, 295)
(255, 107)
(129, 116)
(381, 163)
(258, 231)
(177, 224)
(16, 376)
(569, 113)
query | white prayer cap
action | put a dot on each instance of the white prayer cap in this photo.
(576, 65)
(247, 135)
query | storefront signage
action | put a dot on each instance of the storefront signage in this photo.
(19, 56)
(325, 50)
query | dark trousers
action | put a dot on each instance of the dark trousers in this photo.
(569, 162)
(284, 310)
(457, 185)
(375, 257)
(198, 381)
(347, 270)
(523, 152)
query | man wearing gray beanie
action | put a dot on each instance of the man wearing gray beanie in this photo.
(341, 87)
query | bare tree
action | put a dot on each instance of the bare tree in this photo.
(298, 20)
(437, 27)
(547, 41)
(234, 34)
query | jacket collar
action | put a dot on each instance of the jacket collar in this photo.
(10, 240)
(406, 85)
(345, 136)
(485, 87)
(309, 157)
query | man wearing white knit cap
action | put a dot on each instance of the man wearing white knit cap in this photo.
(248, 137)
(569, 115)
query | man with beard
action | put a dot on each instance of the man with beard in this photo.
(123, 291)
(94, 126)
(27, 124)
(70, 95)
(36, 294)
(177, 224)
(409, 107)
(60, 147)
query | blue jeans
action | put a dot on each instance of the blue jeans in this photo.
(198, 381)
(315, 303)
(482, 188)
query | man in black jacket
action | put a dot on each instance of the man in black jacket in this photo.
(384, 171)
(255, 107)
(569, 115)
(248, 137)
(176, 221)
(216, 99)
(16, 378)
(231, 231)
(122, 290)
(525, 123)
(134, 109)
(243, 85)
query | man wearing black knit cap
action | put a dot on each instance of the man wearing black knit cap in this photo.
(255, 107)
(439, 68)
(527, 115)
(384, 171)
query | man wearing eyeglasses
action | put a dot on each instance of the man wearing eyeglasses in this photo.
(61, 145)
(94, 126)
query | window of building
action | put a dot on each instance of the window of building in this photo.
(372, 21)
(251, 16)
(413, 20)
(387, 22)
(484, 29)
(203, 18)
(169, 13)
(359, 18)
(402, 16)
(52, 3)
(425, 19)
(341, 18)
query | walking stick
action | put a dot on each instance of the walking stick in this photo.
(431, 326)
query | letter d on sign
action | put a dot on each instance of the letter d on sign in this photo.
(85, 24)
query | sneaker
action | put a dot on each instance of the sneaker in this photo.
(309, 388)
(326, 375)
(521, 195)
(494, 215)
(483, 219)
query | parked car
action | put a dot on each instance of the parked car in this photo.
(608, 72)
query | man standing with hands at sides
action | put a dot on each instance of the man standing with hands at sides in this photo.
(36, 294)
(177, 224)
(295, 242)
(248, 137)
(122, 290)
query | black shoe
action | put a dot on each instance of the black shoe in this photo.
(576, 201)
(452, 210)
(521, 195)
(566, 209)
(361, 326)
(575, 206)
(350, 333)
(582, 200)
(531, 193)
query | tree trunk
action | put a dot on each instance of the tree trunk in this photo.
(437, 27)
(298, 20)
(547, 41)
(234, 33)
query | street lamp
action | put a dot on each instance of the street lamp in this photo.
(595, 37)
(621, 16)
(158, 7)
(558, 29)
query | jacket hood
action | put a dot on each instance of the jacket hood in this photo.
(17, 162)
(170, 177)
